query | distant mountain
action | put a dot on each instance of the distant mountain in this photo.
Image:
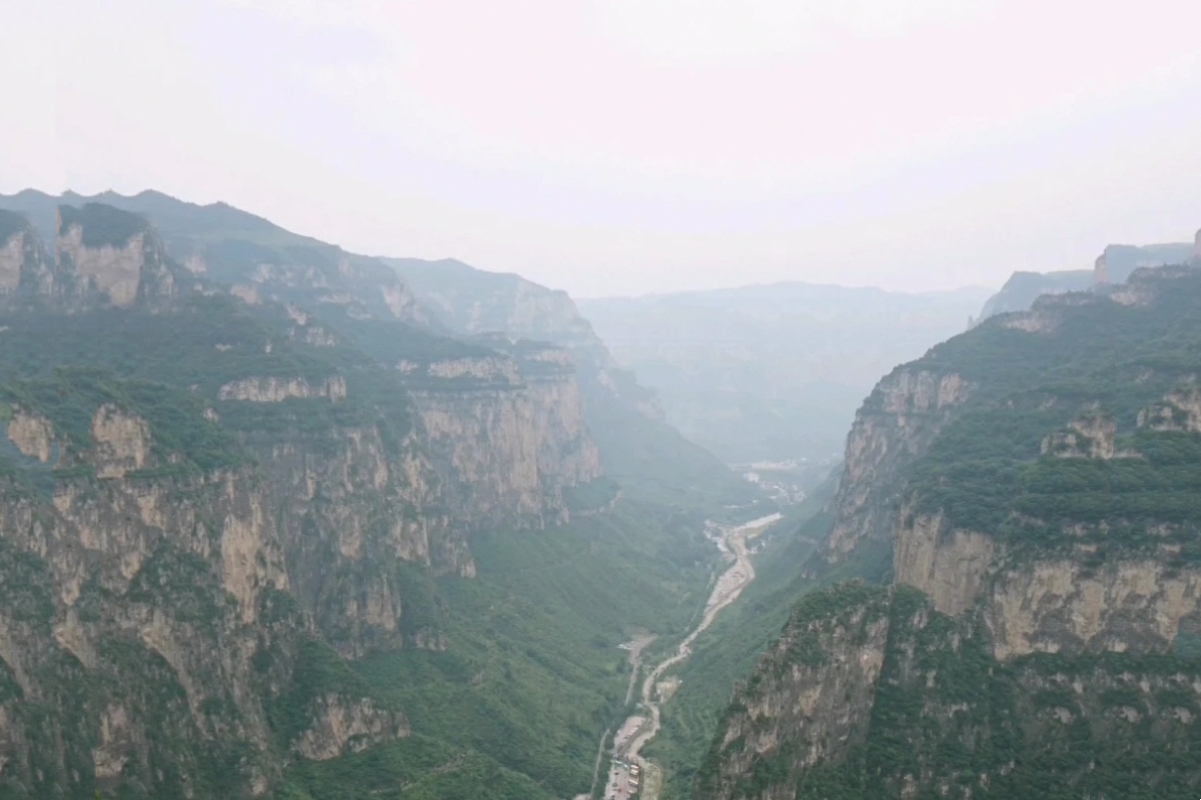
(638, 447)
(1119, 260)
(1023, 288)
(772, 372)
(255, 258)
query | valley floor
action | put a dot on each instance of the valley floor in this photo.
(630, 771)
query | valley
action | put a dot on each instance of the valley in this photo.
(282, 521)
(638, 730)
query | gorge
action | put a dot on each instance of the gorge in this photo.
(280, 520)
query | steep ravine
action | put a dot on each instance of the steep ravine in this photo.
(643, 726)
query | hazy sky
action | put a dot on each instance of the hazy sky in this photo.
(625, 146)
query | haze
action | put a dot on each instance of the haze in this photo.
(636, 145)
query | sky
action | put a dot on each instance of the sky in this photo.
(633, 146)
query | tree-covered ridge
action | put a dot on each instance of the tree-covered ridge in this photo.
(181, 433)
(101, 224)
(1042, 638)
(11, 223)
(1010, 463)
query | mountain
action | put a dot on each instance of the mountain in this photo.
(1117, 262)
(1034, 482)
(268, 530)
(772, 373)
(637, 445)
(1023, 288)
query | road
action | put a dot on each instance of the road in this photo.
(732, 542)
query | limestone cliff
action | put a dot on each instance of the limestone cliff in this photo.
(25, 271)
(244, 254)
(808, 701)
(472, 302)
(115, 255)
(339, 727)
(506, 435)
(351, 508)
(1043, 622)
(133, 615)
(896, 424)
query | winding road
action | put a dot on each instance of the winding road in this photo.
(732, 542)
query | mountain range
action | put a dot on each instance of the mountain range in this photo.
(269, 518)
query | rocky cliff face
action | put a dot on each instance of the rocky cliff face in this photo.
(102, 251)
(207, 504)
(149, 626)
(134, 610)
(808, 701)
(896, 424)
(1113, 266)
(473, 302)
(246, 255)
(25, 273)
(506, 436)
(1043, 624)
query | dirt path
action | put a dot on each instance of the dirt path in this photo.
(729, 586)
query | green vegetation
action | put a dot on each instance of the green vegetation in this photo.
(533, 676)
(509, 680)
(985, 472)
(728, 650)
(416, 768)
(11, 223)
(951, 718)
(102, 224)
(653, 463)
(176, 418)
(593, 496)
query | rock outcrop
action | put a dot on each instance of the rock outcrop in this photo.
(896, 424)
(506, 436)
(102, 251)
(276, 390)
(476, 302)
(808, 702)
(25, 272)
(121, 589)
(340, 726)
(1100, 271)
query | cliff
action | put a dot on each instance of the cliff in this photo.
(506, 435)
(211, 500)
(25, 273)
(475, 302)
(112, 256)
(244, 254)
(636, 446)
(1035, 482)
(147, 637)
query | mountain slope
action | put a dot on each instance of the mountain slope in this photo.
(260, 543)
(637, 448)
(1036, 480)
